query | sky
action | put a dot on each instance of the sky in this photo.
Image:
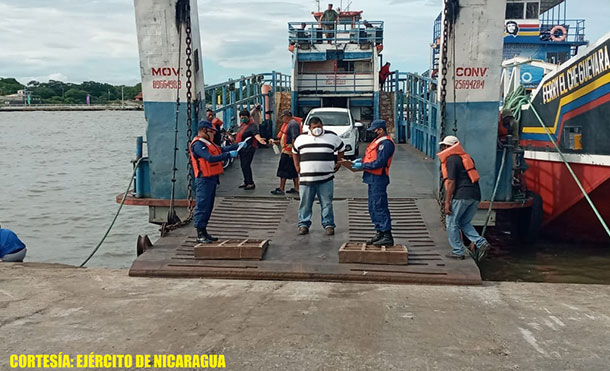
(75, 40)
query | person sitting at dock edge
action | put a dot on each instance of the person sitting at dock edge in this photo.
(11, 248)
(314, 159)
(462, 197)
(248, 131)
(376, 165)
(207, 158)
(289, 131)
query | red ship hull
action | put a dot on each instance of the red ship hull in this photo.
(567, 214)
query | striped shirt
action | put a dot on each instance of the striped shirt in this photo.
(317, 156)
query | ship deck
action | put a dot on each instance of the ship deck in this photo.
(240, 214)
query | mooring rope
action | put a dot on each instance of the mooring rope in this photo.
(115, 215)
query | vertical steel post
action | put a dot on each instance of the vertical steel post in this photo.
(139, 185)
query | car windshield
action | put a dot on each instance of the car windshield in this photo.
(330, 118)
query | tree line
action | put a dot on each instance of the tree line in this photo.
(58, 92)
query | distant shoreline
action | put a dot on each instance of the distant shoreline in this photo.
(69, 107)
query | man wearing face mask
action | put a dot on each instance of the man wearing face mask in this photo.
(206, 158)
(314, 159)
(376, 165)
(248, 132)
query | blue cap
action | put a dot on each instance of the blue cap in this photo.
(205, 125)
(377, 124)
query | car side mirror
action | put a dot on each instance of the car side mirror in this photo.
(358, 125)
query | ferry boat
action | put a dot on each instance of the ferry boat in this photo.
(570, 90)
(574, 103)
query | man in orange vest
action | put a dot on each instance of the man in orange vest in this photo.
(462, 197)
(206, 158)
(376, 165)
(216, 123)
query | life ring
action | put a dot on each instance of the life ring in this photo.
(564, 33)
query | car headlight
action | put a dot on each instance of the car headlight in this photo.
(347, 134)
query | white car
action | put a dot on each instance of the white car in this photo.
(339, 121)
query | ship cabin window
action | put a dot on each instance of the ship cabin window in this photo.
(531, 11)
(557, 57)
(514, 10)
(522, 10)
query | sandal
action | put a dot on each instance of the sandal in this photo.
(292, 190)
(277, 192)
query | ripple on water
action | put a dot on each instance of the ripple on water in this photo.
(70, 203)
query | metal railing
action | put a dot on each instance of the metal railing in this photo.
(575, 30)
(417, 110)
(357, 32)
(231, 96)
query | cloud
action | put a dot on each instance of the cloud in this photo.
(96, 39)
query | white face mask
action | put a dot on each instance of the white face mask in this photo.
(316, 131)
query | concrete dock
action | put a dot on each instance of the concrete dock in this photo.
(273, 325)
(257, 214)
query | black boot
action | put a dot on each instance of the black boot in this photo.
(204, 237)
(386, 239)
(377, 237)
(201, 238)
(209, 237)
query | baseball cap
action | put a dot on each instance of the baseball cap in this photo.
(205, 125)
(450, 140)
(377, 124)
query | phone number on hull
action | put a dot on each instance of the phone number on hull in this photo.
(166, 84)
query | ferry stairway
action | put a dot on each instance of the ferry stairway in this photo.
(387, 110)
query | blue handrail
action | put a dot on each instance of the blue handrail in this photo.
(231, 96)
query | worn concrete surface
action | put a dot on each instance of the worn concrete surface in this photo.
(267, 325)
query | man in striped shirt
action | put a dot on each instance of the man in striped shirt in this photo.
(314, 159)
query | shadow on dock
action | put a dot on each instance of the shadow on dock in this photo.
(256, 214)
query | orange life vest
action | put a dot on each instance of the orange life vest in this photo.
(203, 167)
(240, 134)
(283, 130)
(371, 155)
(457, 149)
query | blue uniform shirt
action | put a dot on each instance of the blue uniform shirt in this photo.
(385, 150)
(9, 242)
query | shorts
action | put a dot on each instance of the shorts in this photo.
(286, 167)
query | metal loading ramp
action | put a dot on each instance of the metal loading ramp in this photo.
(314, 257)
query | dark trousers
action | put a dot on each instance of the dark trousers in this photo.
(245, 159)
(378, 207)
(206, 194)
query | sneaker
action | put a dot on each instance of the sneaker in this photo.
(243, 186)
(482, 251)
(277, 192)
(303, 230)
(330, 231)
(455, 256)
(292, 190)
(249, 187)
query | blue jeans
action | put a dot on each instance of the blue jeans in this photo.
(462, 212)
(206, 194)
(378, 207)
(308, 193)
